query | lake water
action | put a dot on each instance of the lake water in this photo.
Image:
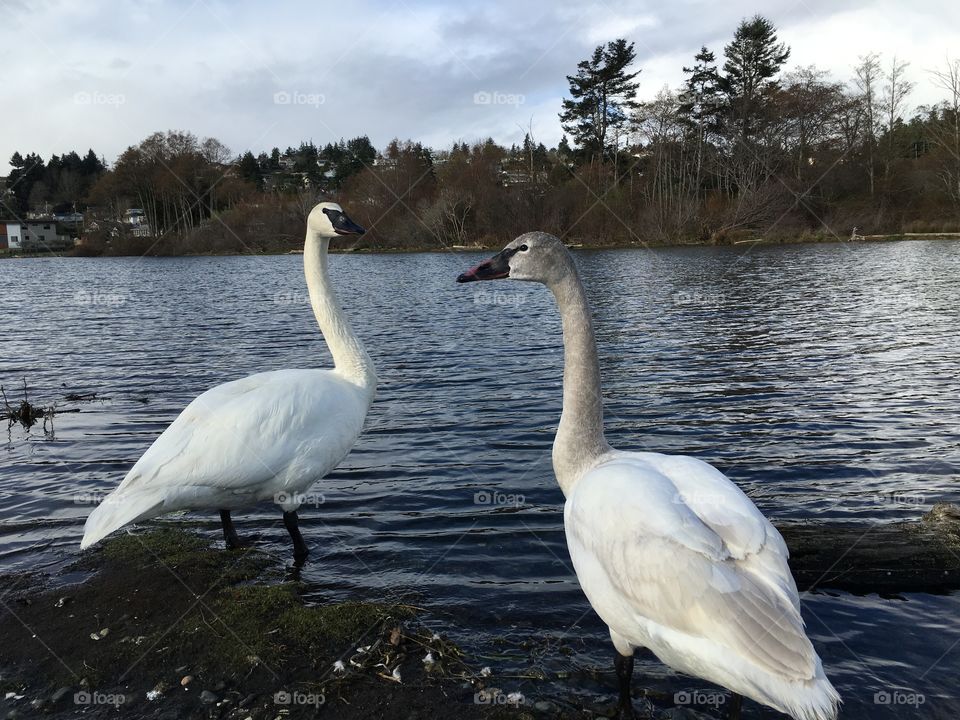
(822, 378)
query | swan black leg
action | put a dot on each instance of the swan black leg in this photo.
(292, 522)
(624, 667)
(736, 703)
(229, 532)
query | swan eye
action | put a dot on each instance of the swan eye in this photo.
(523, 248)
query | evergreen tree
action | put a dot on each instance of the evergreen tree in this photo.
(601, 93)
(360, 154)
(250, 171)
(701, 100)
(753, 60)
(91, 165)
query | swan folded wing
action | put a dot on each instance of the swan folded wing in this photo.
(241, 434)
(723, 507)
(674, 570)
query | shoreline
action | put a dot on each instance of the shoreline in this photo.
(653, 245)
(163, 623)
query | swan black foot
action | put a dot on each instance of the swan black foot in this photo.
(624, 667)
(300, 551)
(230, 536)
(736, 704)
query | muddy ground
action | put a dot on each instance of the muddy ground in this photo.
(160, 624)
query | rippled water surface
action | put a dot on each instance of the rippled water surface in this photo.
(822, 379)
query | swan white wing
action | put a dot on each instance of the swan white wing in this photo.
(239, 435)
(723, 507)
(645, 557)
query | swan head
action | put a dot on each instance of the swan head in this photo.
(535, 256)
(328, 220)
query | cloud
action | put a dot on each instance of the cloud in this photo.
(105, 75)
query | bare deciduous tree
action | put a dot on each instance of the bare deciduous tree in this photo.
(946, 131)
(867, 80)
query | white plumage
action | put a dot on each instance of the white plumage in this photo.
(268, 436)
(675, 558)
(671, 554)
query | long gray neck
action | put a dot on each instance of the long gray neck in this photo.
(349, 356)
(579, 440)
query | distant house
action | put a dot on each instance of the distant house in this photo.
(137, 218)
(13, 235)
(37, 235)
(134, 216)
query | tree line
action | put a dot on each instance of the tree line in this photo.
(745, 147)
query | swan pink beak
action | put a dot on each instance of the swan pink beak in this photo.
(495, 268)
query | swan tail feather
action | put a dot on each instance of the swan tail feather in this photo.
(118, 509)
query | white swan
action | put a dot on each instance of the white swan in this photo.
(670, 553)
(268, 436)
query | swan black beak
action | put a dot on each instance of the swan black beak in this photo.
(343, 225)
(495, 268)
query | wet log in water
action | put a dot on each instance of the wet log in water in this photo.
(885, 558)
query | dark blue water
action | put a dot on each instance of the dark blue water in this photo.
(823, 379)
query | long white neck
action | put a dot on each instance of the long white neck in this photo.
(579, 440)
(349, 356)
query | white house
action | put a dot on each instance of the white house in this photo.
(14, 235)
(39, 234)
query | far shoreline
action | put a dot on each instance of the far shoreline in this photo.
(803, 239)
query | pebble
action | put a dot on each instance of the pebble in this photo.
(186, 680)
(208, 697)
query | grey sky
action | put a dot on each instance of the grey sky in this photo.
(257, 74)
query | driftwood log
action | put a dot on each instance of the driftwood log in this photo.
(884, 558)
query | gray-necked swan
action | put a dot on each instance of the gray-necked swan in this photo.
(670, 553)
(268, 436)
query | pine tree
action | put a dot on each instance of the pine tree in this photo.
(249, 170)
(601, 93)
(701, 100)
(754, 59)
(701, 106)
